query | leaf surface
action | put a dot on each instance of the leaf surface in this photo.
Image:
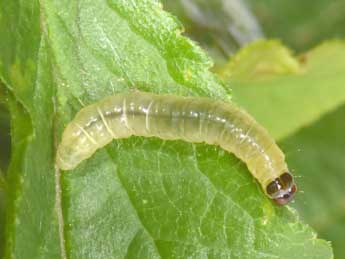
(135, 198)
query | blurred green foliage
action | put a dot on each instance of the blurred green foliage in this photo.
(301, 25)
(265, 74)
(316, 155)
(220, 26)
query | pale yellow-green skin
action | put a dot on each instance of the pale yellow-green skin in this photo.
(172, 117)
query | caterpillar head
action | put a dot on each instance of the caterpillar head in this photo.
(282, 189)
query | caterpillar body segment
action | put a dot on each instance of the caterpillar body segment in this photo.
(172, 117)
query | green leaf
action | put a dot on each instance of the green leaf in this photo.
(2, 213)
(300, 24)
(320, 164)
(135, 198)
(285, 94)
(4, 157)
(31, 221)
(260, 60)
(5, 140)
(31, 212)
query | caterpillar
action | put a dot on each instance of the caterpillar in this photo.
(169, 117)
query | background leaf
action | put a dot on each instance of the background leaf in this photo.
(321, 166)
(309, 108)
(299, 90)
(145, 198)
(300, 25)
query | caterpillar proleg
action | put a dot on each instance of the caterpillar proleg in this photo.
(172, 117)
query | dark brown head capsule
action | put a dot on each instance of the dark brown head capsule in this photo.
(282, 189)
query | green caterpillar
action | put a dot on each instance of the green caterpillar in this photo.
(174, 117)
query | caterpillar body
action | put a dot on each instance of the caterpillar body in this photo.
(172, 117)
